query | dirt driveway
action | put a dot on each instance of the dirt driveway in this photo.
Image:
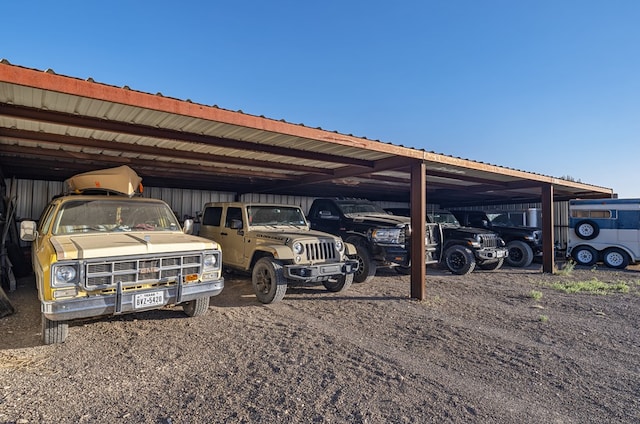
(502, 347)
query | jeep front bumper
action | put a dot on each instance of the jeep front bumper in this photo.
(122, 301)
(491, 253)
(319, 272)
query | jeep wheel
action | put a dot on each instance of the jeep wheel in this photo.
(459, 260)
(54, 331)
(196, 307)
(268, 280)
(338, 283)
(366, 265)
(585, 255)
(491, 265)
(520, 254)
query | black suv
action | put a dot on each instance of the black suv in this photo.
(524, 243)
(381, 239)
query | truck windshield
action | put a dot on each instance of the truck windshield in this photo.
(87, 216)
(360, 207)
(275, 215)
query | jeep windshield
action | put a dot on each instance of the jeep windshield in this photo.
(445, 218)
(93, 216)
(275, 215)
(354, 208)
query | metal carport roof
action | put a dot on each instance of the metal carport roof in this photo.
(54, 126)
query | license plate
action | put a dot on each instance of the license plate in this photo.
(146, 300)
(500, 254)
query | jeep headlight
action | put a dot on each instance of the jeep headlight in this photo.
(298, 248)
(210, 262)
(339, 245)
(386, 235)
(64, 274)
(476, 241)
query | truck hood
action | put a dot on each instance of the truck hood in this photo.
(379, 219)
(102, 245)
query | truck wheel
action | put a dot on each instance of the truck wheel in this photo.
(520, 254)
(339, 283)
(459, 260)
(587, 229)
(491, 266)
(615, 258)
(196, 307)
(54, 331)
(366, 265)
(268, 280)
(585, 255)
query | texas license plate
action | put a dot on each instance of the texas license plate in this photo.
(147, 300)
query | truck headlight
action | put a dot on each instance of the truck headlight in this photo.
(65, 274)
(210, 261)
(386, 235)
(298, 248)
(339, 245)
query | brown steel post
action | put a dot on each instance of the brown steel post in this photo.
(418, 227)
(548, 240)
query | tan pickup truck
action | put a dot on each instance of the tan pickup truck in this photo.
(101, 250)
(275, 244)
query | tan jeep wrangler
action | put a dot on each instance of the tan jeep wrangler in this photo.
(275, 243)
(98, 250)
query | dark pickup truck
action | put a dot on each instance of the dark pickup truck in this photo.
(524, 243)
(381, 239)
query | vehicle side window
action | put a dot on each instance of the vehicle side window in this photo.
(233, 213)
(45, 220)
(212, 216)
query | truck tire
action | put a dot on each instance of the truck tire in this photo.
(196, 307)
(268, 280)
(54, 332)
(587, 229)
(491, 265)
(616, 258)
(585, 255)
(459, 260)
(520, 254)
(366, 265)
(338, 283)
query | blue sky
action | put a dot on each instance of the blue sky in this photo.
(551, 87)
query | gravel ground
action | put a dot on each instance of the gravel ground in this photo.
(480, 348)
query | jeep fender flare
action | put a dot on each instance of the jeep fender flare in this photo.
(281, 253)
(349, 249)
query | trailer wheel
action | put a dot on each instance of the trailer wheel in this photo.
(585, 255)
(615, 258)
(587, 229)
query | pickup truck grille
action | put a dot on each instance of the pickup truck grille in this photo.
(320, 251)
(489, 240)
(140, 270)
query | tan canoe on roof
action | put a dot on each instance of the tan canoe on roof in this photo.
(122, 180)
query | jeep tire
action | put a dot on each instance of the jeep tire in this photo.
(520, 254)
(269, 283)
(366, 265)
(54, 331)
(196, 307)
(491, 265)
(338, 283)
(459, 260)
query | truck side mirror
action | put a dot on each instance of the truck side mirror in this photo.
(28, 231)
(236, 224)
(187, 227)
(327, 215)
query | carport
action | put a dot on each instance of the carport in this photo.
(54, 126)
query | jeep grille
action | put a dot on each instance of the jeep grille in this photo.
(489, 240)
(320, 251)
(140, 270)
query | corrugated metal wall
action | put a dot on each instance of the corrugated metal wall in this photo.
(34, 195)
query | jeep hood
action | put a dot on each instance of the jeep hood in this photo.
(104, 245)
(379, 219)
(285, 234)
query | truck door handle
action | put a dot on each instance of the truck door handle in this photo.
(223, 234)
